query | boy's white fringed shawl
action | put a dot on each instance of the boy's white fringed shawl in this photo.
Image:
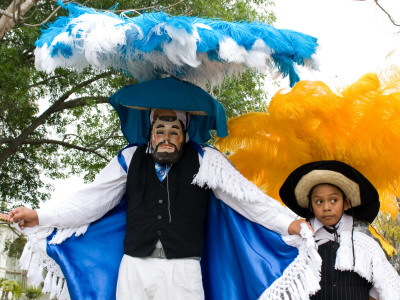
(199, 50)
(370, 263)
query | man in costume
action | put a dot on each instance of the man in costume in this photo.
(164, 202)
(167, 183)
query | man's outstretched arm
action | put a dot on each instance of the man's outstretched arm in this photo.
(24, 216)
(85, 206)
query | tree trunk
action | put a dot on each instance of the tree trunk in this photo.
(7, 23)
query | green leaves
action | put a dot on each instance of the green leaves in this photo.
(55, 125)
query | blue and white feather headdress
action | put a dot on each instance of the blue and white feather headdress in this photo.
(153, 45)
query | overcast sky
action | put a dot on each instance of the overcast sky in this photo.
(355, 37)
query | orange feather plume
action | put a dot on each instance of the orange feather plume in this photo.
(359, 125)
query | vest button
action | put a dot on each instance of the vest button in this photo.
(159, 217)
(158, 232)
(160, 201)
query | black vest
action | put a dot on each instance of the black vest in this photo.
(172, 211)
(339, 285)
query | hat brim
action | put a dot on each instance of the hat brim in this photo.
(131, 103)
(362, 194)
(316, 177)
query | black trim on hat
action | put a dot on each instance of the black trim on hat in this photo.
(369, 198)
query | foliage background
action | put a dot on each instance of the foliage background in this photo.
(56, 125)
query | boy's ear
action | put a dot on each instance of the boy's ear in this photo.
(346, 203)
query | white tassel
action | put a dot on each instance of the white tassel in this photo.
(59, 287)
(64, 293)
(81, 230)
(47, 283)
(37, 278)
(64, 233)
(53, 286)
(33, 265)
(26, 256)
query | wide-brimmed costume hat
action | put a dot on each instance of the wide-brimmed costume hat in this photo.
(359, 190)
(133, 104)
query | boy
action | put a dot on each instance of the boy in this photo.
(339, 202)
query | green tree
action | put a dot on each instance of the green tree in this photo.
(14, 248)
(57, 125)
(10, 287)
(32, 292)
(390, 231)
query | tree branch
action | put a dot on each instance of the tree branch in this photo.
(13, 147)
(136, 10)
(12, 228)
(9, 126)
(106, 139)
(81, 101)
(389, 16)
(44, 81)
(56, 142)
(6, 13)
(42, 23)
(17, 10)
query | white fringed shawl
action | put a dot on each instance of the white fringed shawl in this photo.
(370, 263)
(299, 280)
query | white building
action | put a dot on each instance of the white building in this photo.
(9, 266)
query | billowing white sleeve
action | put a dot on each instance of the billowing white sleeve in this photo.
(240, 194)
(91, 202)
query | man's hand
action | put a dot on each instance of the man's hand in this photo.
(24, 216)
(294, 227)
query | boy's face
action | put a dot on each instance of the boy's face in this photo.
(328, 204)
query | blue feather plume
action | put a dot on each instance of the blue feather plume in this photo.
(153, 45)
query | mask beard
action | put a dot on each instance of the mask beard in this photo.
(166, 157)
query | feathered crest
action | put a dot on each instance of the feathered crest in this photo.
(201, 51)
(359, 125)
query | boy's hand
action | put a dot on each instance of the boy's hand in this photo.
(24, 216)
(294, 227)
(3, 217)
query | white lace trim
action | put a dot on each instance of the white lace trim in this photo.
(301, 278)
(64, 233)
(217, 172)
(34, 259)
(370, 263)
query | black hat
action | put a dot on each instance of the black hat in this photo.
(361, 193)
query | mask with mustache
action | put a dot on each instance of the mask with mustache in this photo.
(167, 138)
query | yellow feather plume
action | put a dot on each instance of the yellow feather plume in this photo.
(359, 125)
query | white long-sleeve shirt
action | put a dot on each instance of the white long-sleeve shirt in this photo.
(105, 192)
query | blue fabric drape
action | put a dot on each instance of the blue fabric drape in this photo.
(90, 262)
(241, 258)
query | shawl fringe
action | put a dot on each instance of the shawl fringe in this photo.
(216, 172)
(35, 260)
(301, 278)
(370, 263)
